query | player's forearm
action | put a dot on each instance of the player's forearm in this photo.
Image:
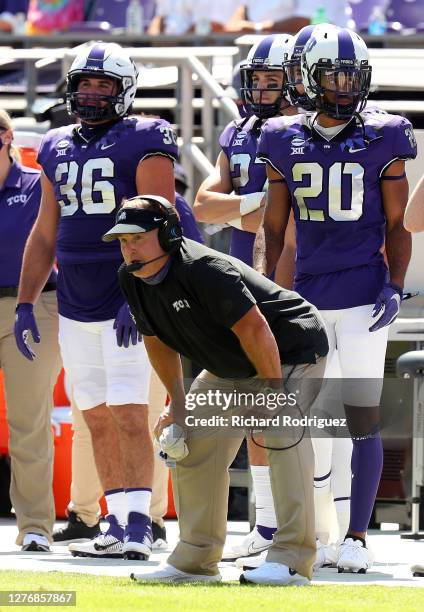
(285, 270)
(398, 249)
(252, 221)
(167, 364)
(37, 264)
(414, 213)
(267, 250)
(214, 207)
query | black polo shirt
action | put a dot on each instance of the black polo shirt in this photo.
(204, 294)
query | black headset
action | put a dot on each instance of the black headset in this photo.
(170, 232)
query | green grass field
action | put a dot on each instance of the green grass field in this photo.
(107, 593)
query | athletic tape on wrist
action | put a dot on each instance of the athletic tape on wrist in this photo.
(250, 202)
(235, 223)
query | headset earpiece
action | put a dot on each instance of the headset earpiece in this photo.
(170, 233)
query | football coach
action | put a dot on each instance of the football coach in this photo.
(245, 331)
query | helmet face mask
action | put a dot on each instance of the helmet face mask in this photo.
(340, 92)
(336, 73)
(256, 97)
(90, 106)
(101, 61)
(265, 97)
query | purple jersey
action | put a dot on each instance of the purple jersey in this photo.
(90, 178)
(188, 222)
(19, 201)
(239, 142)
(336, 198)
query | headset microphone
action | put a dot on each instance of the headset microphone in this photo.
(137, 266)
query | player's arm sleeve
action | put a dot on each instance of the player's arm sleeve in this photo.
(45, 153)
(188, 222)
(127, 282)
(404, 142)
(226, 137)
(221, 291)
(265, 149)
(157, 138)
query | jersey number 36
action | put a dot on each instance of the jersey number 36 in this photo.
(106, 192)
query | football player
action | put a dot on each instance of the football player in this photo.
(343, 173)
(332, 478)
(88, 169)
(235, 194)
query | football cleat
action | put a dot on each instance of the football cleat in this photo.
(137, 537)
(170, 574)
(107, 545)
(418, 570)
(35, 542)
(252, 562)
(253, 544)
(274, 574)
(75, 531)
(159, 537)
(326, 556)
(354, 557)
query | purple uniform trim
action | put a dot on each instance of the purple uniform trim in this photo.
(346, 48)
(96, 58)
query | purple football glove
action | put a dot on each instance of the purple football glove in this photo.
(126, 328)
(387, 306)
(25, 323)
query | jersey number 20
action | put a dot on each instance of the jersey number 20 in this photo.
(336, 172)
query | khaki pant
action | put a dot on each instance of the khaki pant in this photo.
(86, 488)
(29, 397)
(201, 483)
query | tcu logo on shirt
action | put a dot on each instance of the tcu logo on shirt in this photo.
(21, 198)
(180, 304)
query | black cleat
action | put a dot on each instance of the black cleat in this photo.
(75, 531)
(159, 537)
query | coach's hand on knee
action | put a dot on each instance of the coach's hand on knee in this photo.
(126, 328)
(25, 323)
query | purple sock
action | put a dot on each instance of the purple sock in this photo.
(367, 464)
(266, 532)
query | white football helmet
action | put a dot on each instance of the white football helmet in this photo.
(102, 60)
(335, 71)
(268, 54)
(292, 67)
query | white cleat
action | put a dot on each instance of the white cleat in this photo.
(274, 574)
(418, 570)
(35, 542)
(354, 557)
(248, 563)
(326, 556)
(109, 544)
(170, 574)
(252, 544)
